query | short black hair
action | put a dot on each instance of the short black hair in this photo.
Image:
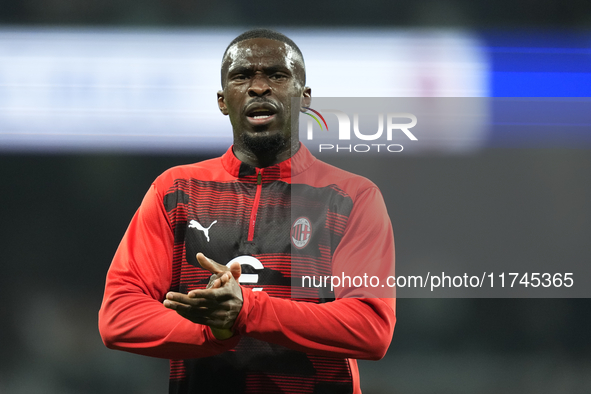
(262, 33)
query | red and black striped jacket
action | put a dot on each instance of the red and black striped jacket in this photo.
(299, 217)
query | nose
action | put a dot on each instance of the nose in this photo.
(259, 87)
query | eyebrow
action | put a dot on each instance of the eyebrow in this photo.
(248, 70)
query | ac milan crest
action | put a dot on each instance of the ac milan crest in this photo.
(301, 232)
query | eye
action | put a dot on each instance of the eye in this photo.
(239, 77)
(278, 77)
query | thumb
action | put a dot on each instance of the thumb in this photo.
(236, 270)
(210, 265)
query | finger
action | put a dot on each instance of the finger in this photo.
(206, 294)
(210, 265)
(236, 270)
(194, 298)
(219, 280)
(225, 278)
(196, 303)
(214, 282)
(213, 298)
(178, 297)
(177, 306)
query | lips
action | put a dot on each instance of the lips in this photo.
(259, 114)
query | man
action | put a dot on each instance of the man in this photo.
(165, 298)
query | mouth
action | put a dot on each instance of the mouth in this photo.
(260, 114)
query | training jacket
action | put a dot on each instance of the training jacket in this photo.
(301, 217)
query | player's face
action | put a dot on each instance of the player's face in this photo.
(260, 77)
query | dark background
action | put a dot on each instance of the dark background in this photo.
(466, 13)
(62, 217)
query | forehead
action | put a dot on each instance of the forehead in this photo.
(261, 52)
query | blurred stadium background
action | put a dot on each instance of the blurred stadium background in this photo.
(98, 97)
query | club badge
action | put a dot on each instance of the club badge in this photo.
(301, 233)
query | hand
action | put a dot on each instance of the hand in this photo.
(216, 281)
(217, 270)
(218, 305)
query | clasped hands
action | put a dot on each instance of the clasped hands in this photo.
(216, 306)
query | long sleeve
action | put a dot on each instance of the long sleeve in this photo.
(132, 317)
(350, 326)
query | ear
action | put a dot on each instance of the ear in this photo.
(306, 99)
(222, 103)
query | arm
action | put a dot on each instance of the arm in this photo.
(348, 327)
(360, 327)
(218, 309)
(132, 316)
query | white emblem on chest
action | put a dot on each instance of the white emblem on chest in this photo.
(198, 226)
(248, 278)
(301, 232)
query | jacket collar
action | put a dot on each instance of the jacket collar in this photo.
(295, 165)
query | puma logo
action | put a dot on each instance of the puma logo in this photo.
(198, 226)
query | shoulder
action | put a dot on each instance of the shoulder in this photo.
(207, 170)
(321, 174)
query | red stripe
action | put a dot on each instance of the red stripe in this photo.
(255, 207)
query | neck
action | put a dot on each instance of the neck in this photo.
(264, 159)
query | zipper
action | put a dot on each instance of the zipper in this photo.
(255, 205)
